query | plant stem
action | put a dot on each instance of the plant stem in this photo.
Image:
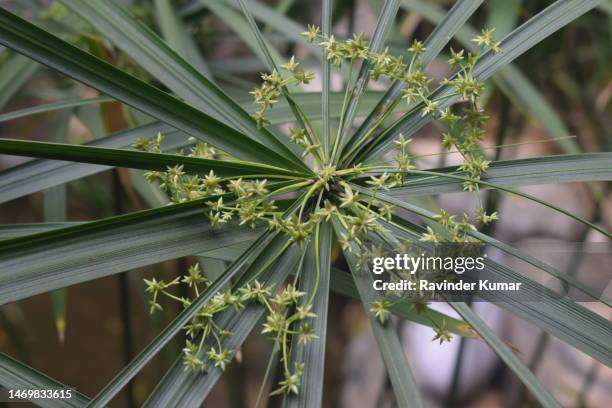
(271, 362)
(342, 114)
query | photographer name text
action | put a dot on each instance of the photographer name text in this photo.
(417, 266)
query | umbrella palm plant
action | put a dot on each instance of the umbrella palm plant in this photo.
(289, 199)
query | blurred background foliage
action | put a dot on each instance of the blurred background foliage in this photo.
(556, 99)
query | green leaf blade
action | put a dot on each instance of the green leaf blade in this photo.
(520, 172)
(564, 319)
(66, 256)
(503, 351)
(314, 280)
(402, 380)
(383, 25)
(135, 159)
(442, 34)
(34, 42)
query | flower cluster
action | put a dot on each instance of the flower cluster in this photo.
(328, 194)
(287, 318)
(250, 199)
(465, 130)
(273, 85)
(382, 311)
(204, 345)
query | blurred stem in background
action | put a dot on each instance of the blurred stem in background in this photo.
(55, 210)
(236, 386)
(589, 380)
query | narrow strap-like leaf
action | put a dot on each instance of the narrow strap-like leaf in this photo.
(520, 172)
(8, 231)
(14, 72)
(594, 293)
(50, 107)
(62, 257)
(55, 209)
(273, 66)
(503, 351)
(272, 18)
(36, 175)
(263, 46)
(179, 38)
(136, 159)
(404, 386)
(238, 23)
(342, 283)
(563, 318)
(129, 371)
(314, 280)
(309, 102)
(521, 194)
(326, 21)
(39, 174)
(50, 50)
(511, 81)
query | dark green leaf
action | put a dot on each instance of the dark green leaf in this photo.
(272, 63)
(235, 270)
(443, 33)
(44, 47)
(50, 107)
(178, 38)
(37, 175)
(342, 283)
(137, 159)
(510, 80)
(594, 293)
(565, 319)
(326, 18)
(14, 72)
(383, 25)
(55, 210)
